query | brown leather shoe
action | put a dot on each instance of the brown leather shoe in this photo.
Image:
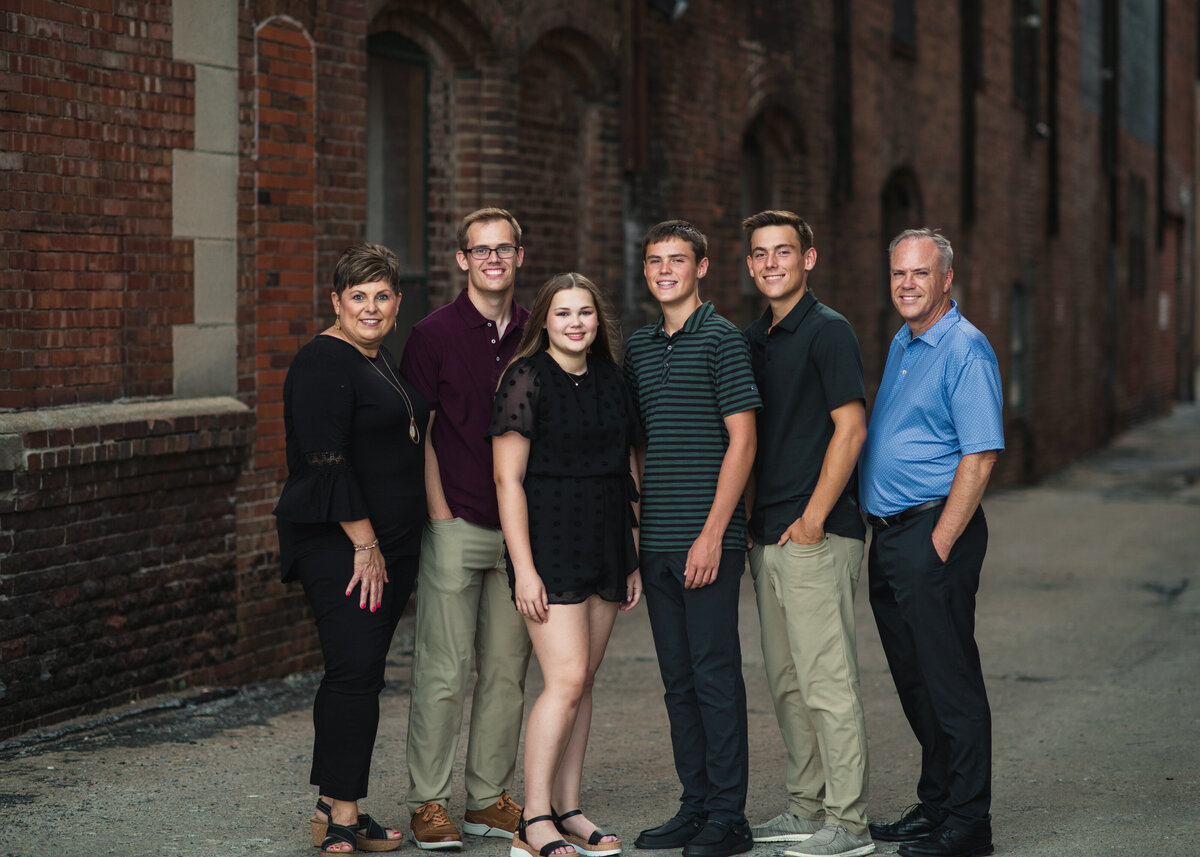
(499, 820)
(432, 830)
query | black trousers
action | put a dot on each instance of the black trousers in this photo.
(355, 644)
(700, 660)
(925, 610)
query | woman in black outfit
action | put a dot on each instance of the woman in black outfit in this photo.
(349, 523)
(562, 429)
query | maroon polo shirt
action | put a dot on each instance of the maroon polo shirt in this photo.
(455, 359)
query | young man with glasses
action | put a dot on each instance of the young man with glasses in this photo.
(454, 357)
(690, 376)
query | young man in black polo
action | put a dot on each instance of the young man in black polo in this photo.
(808, 541)
(690, 376)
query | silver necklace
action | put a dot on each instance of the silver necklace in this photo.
(413, 433)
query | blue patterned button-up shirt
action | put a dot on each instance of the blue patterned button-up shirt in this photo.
(940, 399)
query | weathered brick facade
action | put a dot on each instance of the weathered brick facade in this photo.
(138, 552)
(119, 566)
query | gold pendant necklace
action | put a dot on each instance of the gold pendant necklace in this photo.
(413, 433)
(576, 379)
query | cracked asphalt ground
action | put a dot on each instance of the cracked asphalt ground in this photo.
(1088, 624)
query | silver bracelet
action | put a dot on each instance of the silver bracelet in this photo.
(371, 546)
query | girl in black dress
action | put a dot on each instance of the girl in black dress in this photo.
(349, 523)
(563, 426)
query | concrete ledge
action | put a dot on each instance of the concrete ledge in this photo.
(60, 456)
(80, 416)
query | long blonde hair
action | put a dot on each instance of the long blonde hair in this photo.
(536, 339)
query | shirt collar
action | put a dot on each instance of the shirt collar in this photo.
(700, 315)
(792, 320)
(472, 317)
(940, 328)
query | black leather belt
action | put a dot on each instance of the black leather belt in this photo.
(901, 517)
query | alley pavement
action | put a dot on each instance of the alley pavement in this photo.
(1088, 625)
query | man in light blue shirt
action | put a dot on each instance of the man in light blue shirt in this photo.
(932, 441)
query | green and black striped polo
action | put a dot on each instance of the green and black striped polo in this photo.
(684, 386)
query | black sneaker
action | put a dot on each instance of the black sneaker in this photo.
(720, 839)
(673, 833)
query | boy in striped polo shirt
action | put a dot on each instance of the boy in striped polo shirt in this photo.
(691, 378)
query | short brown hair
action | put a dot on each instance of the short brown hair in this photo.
(780, 218)
(669, 229)
(486, 215)
(366, 263)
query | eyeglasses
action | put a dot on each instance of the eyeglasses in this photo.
(482, 254)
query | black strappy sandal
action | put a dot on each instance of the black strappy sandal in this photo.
(370, 835)
(335, 833)
(522, 848)
(593, 846)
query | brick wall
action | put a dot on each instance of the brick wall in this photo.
(117, 553)
(90, 279)
(286, 306)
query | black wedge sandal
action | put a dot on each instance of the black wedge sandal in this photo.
(335, 833)
(373, 836)
(522, 848)
(593, 846)
(369, 834)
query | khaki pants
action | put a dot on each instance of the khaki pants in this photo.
(806, 610)
(464, 608)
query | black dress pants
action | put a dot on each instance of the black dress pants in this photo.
(700, 660)
(925, 610)
(355, 644)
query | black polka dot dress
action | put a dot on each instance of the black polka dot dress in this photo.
(577, 481)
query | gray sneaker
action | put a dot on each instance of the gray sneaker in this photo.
(833, 840)
(785, 827)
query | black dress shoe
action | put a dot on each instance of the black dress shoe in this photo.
(918, 821)
(674, 833)
(949, 841)
(720, 839)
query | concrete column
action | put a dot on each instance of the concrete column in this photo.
(204, 198)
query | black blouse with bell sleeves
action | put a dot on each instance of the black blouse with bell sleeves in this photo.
(349, 454)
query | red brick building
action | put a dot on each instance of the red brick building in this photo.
(177, 178)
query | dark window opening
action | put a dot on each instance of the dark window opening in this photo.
(770, 146)
(902, 209)
(1053, 215)
(1027, 42)
(972, 76)
(904, 27)
(397, 198)
(1136, 227)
